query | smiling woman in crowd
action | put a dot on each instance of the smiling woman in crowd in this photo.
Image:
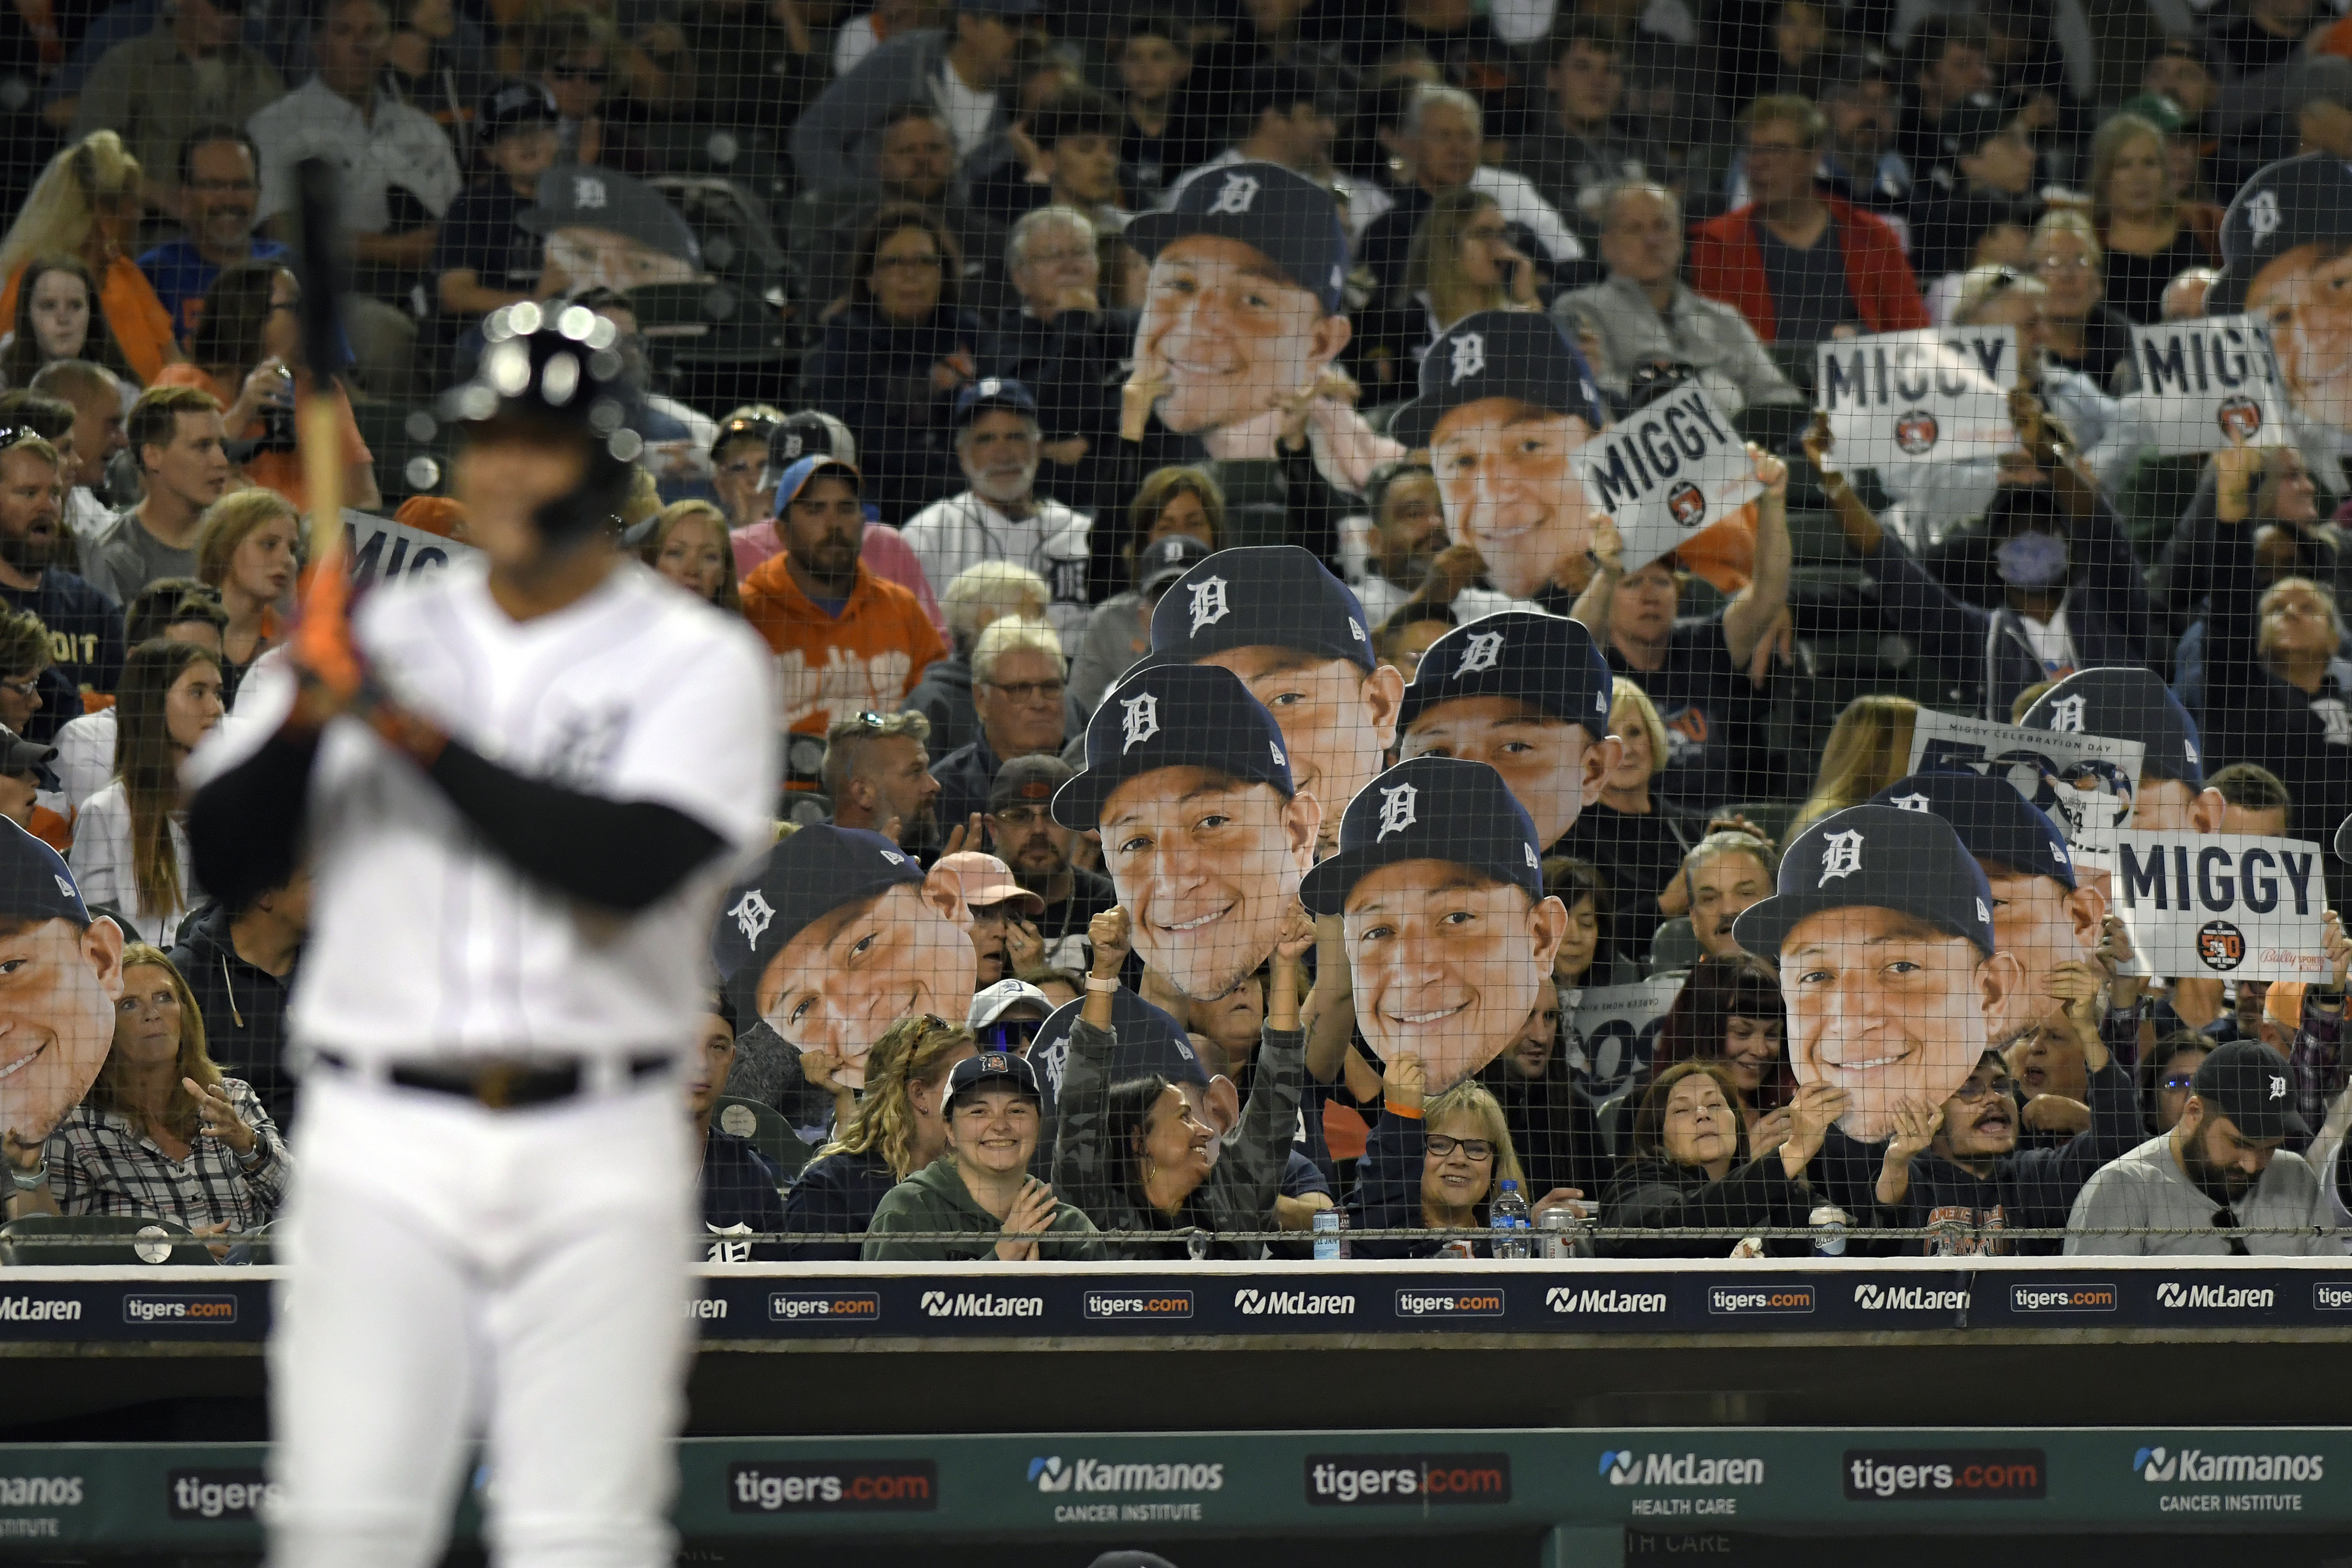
(1693, 1167)
(1730, 1013)
(896, 1130)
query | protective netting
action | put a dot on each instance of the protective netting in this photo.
(1713, 619)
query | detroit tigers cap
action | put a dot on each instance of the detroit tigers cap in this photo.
(35, 881)
(2249, 1082)
(1029, 781)
(1150, 1041)
(991, 1069)
(1162, 561)
(574, 196)
(1173, 715)
(993, 392)
(798, 880)
(790, 482)
(811, 431)
(2125, 702)
(1995, 822)
(2296, 202)
(1256, 596)
(989, 1002)
(1431, 808)
(1289, 219)
(1547, 662)
(517, 101)
(1499, 353)
(1882, 857)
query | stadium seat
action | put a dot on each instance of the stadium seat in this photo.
(89, 1241)
(765, 1127)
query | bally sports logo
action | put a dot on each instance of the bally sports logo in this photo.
(1049, 1473)
(980, 1304)
(1908, 1299)
(1625, 1468)
(1253, 1303)
(1610, 1303)
(2160, 1465)
(2172, 1294)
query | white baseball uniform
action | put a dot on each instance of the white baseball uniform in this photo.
(454, 1264)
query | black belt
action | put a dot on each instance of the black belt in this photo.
(500, 1082)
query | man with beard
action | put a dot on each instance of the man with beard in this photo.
(878, 776)
(1408, 535)
(1205, 834)
(85, 627)
(2287, 239)
(847, 641)
(1001, 517)
(2222, 1175)
(1527, 695)
(1022, 830)
(220, 185)
(1956, 1167)
(1295, 635)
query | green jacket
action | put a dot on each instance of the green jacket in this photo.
(934, 1198)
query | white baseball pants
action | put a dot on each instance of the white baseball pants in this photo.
(522, 1274)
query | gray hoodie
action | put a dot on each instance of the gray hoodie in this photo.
(934, 1198)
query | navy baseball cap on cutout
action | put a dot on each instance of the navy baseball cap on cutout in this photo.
(1150, 1041)
(991, 1069)
(993, 392)
(2248, 1082)
(1499, 353)
(575, 196)
(2296, 202)
(2123, 701)
(1547, 662)
(1995, 822)
(1255, 596)
(1879, 857)
(790, 482)
(35, 881)
(798, 880)
(1289, 219)
(1173, 715)
(1430, 808)
(1162, 561)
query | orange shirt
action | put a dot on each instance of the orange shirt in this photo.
(138, 319)
(832, 668)
(279, 471)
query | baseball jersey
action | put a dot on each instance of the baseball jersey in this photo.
(422, 940)
(1054, 542)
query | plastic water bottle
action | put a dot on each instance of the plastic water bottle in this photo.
(1330, 1235)
(1509, 1217)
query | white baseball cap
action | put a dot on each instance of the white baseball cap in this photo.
(990, 1002)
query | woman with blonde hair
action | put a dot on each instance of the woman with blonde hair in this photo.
(896, 1131)
(161, 1134)
(86, 206)
(2078, 330)
(248, 547)
(2151, 235)
(1629, 834)
(1466, 1159)
(687, 543)
(1869, 747)
(130, 842)
(1461, 261)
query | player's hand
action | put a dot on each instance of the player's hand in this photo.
(221, 1120)
(1112, 935)
(1916, 1122)
(1770, 472)
(1031, 1212)
(1296, 937)
(1451, 570)
(1821, 446)
(326, 661)
(1024, 944)
(1406, 1082)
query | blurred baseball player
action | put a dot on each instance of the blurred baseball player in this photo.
(520, 783)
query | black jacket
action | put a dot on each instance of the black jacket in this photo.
(244, 1009)
(1656, 1192)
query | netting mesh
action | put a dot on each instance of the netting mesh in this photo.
(1709, 616)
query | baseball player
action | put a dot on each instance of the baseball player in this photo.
(1449, 932)
(1295, 635)
(1883, 928)
(1203, 834)
(61, 974)
(1527, 695)
(834, 934)
(1505, 403)
(521, 782)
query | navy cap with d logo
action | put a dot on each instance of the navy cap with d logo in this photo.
(1547, 662)
(35, 881)
(991, 1069)
(1878, 857)
(1431, 808)
(818, 869)
(2288, 205)
(1499, 353)
(2125, 702)
(1173, 715)
(1995, 822)
(1287, 218)
(1256, 596)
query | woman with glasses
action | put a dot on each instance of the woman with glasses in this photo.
(572, 53)
(2079, 332)
(1467, 1153)
(1462, 261)
(896, 1130)
(895, 355)
(247, 352)
(24, 664)
(1692, 1168)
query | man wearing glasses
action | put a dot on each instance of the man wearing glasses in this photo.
(220, 184)
(1022, 832)
(158, 88)
(1018, 677)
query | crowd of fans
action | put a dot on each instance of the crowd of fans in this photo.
(1107, 393)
